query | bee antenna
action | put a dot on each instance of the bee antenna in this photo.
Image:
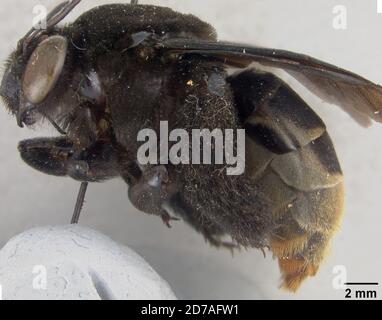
(52, 19)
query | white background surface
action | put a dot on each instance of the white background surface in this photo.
(71, 262)
(193, 269)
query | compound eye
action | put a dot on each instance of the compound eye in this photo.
(44, 68)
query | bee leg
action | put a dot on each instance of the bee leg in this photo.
(167, 218)
(61, 157)
(146, 193)
(151, 192)
(216, 242)
(293, 266)
(211, 232)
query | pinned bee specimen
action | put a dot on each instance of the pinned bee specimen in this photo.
(121, 68)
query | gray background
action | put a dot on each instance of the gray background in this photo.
(28, 198)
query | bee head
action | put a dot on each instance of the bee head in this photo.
(27, 82)
(34, 68)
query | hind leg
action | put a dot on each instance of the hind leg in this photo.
(211, 231)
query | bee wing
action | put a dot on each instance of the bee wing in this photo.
(361, 98)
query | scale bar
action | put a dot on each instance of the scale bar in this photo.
(362, 283)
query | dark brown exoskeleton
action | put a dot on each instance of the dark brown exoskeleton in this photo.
(121, 68)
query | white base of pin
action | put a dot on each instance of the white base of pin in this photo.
(75, 263)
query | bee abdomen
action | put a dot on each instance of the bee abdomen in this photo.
(307, 206)
(292, 161)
